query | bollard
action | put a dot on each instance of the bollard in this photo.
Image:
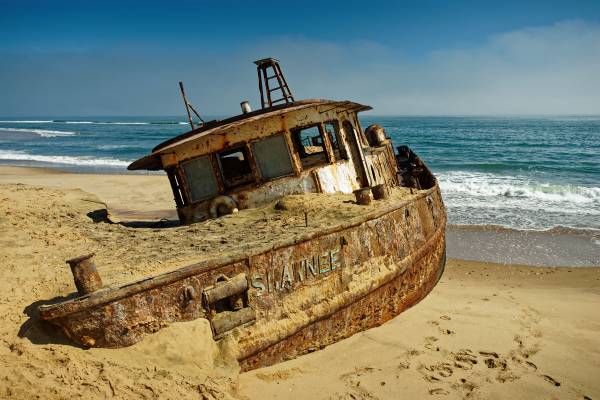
(363, 196)
(85, 275)
(380, 192)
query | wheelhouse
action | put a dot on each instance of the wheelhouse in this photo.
(257, 157)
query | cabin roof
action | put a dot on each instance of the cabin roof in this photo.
(153, 162)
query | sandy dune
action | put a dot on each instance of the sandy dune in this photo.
(486, 331)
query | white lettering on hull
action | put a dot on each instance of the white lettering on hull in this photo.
(279, 278)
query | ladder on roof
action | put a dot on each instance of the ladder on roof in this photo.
(265, 67)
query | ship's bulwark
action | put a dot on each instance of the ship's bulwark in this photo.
(302, 295)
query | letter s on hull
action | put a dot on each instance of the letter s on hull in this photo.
(257, 283)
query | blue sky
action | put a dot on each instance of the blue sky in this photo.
(418, 57)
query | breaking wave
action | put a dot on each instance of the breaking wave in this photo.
(518, 201)
(514, 187)
(102, 123)
(119, 122)
(75, 122)
(65, 160)
(40, 132)
(25, 122)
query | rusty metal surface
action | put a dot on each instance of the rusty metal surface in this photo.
(380, 192)
(336, 175)
(85, 274)
(376, 308)
(153, 162)
(363, 196)
(408, 240)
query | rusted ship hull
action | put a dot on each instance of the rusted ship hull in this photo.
(281, 301)
(405, 289)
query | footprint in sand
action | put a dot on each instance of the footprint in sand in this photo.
(429, 343)
(495, 363)
(403, 365)
(438, 391)
(436, 372)
(489, 354)
(443, 331)
(465, 385)
(551, 380)
(531, 365)
(465, 359)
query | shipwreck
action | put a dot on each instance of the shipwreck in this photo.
(299, 292)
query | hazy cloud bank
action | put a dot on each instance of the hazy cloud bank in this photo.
(544, 70)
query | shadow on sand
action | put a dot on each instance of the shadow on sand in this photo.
(101, 215)
(39, 331)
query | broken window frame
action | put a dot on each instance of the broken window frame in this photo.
(339, 151)
(299, 147)
(178, 187)
(248, 157)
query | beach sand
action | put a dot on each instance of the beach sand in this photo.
(486, 331)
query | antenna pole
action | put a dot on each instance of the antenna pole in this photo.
(187, 106)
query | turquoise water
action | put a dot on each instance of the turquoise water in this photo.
(526, 173)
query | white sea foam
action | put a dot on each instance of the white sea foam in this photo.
(512, 187)
(65, 160)
(40, 132)
(517, 201)
(114, 146)
(101, 123)
(125, 123)
(90, 122)
(25, 122)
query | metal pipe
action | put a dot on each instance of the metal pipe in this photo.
(187, 107)
(245, 107)
(85, 274)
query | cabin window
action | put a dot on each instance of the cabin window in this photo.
(273, 157)
(235, 167)
(200, 178)
(310, 146)
(333, 132)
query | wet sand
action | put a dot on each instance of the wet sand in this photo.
(486, 331)
(553, 247)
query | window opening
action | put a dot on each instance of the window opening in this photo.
(333, 132)
(310, 146)
(235, 167)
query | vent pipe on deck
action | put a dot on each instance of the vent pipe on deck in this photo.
(245, 107)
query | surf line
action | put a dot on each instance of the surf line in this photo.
(279, 278)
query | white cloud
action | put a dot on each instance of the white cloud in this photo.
(543, 70)
(546, 70)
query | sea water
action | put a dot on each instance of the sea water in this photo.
(519, 172)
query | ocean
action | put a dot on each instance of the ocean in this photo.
(527, 173)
